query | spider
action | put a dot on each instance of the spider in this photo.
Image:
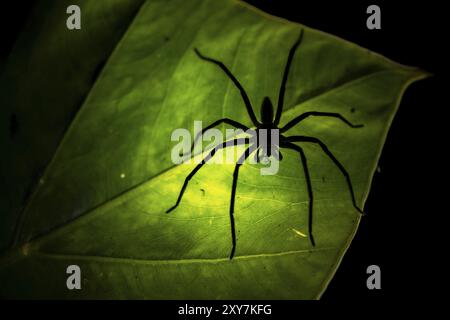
(268, 122)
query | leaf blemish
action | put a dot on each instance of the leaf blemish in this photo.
(299, 233)
(352, 110)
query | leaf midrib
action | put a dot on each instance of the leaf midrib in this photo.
(176, 261)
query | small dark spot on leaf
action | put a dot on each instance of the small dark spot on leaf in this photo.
(352, 110)
(13, 125)
(323, 179)
(203, 191)
(166, 39)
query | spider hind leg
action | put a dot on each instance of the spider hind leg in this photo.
(333, 159)
(233, 197)
(300, 151)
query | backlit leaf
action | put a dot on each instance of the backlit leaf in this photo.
(101, 202)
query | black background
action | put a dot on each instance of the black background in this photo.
(400, 229)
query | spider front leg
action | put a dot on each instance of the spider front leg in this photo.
(305, 115)
(285, 77)
(206, 159)
(212, 125)
(237, 84)
(240, 161)
(308, 185)
(333, 158)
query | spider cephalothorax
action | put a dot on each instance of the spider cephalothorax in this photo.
(271, 147)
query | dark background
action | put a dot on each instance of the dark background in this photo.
(400, 228)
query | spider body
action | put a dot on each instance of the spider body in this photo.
(267, 112)
(265, 128)
(268, 125)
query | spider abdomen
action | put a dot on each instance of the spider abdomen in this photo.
(267, 111)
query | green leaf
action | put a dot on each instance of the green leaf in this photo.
(101, 202)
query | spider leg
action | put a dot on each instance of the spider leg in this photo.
(305, 115)
(333, 158)
(215, 123)
(206, 159)
(297, 148)
(241, 160)
(247, 102)
(285, 76)
(256, 157)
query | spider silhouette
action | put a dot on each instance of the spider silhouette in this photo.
(268, 122)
